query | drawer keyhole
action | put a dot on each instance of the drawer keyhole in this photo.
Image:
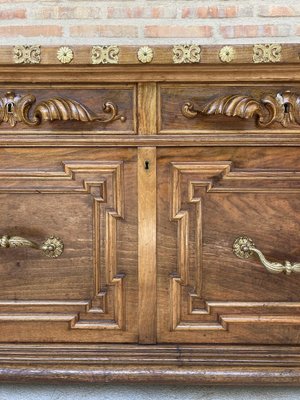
(10, 108)
(286, 108)
(147, 164)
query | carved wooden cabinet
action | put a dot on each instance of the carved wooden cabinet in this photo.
(150, 215)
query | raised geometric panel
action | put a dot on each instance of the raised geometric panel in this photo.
(104, 183)
(192, 184)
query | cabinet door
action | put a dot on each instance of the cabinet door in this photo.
(210, 292)
(88, 199)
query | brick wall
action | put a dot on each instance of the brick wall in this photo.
(148, 21)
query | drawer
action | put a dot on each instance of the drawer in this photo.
(87, 198)
(207, 199)
(236, 108)
(63, 109)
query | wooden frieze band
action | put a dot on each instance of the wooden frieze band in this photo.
(151, 54)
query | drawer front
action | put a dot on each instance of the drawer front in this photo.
(62, 109)
(192, 109)
(88, 199)
(207, 198)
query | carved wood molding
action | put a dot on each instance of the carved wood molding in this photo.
(15, 108)
(282, 108)
(191, 182)
(195, 364)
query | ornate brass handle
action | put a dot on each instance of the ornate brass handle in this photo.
(52, 247)
(244, 247)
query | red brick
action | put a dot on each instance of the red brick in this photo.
(69, 12)
(103, 30)
(175, 31)
(30, 31)
(242, 31)
(18, 13)
(216, 12)
(279, 11)
(142, 12)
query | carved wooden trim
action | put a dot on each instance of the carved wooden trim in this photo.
(197, 364)
(209, 178)
(282, 108)
(15, 108)
(164, 54)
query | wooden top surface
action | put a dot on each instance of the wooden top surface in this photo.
(177, 54)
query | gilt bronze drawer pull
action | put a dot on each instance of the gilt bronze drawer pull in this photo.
(52, 247)
(244, 247)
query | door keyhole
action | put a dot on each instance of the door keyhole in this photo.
(147, 164)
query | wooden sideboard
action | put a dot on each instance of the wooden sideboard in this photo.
(150, 214)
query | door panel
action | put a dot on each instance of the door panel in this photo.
(88, 199)
(208, 197)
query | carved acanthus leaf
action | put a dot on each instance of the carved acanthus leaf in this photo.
(283, 108)
(14, 109)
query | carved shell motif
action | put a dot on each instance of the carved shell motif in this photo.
(14, 109)
(283, 108)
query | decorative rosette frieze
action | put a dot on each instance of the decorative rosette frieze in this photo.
(282, 108)
(15, 108)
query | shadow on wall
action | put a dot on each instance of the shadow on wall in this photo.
(142, 392)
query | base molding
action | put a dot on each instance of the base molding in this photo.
(193, 364)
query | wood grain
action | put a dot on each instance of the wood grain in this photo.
(236, 113)
(80, 197)
(163, 54)
(147, 108)
(214, 194)
(147, 244)
(148, 288)
(90, 99)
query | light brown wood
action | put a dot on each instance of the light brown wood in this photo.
(147, 244)
(86, 294)
(147, 108)
(213, 196)
(162, 54)
(148, 287)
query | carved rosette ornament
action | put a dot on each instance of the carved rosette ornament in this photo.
(105, 55)
(145, 54)
(65, 55)
(227, 54)
(27, 54)
(282, 108)
(264, 53)
(15, 108)
(183, 54)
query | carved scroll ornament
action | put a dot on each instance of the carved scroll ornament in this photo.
(15, 108)
(282, 108)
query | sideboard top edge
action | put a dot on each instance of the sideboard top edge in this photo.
(271, 53)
